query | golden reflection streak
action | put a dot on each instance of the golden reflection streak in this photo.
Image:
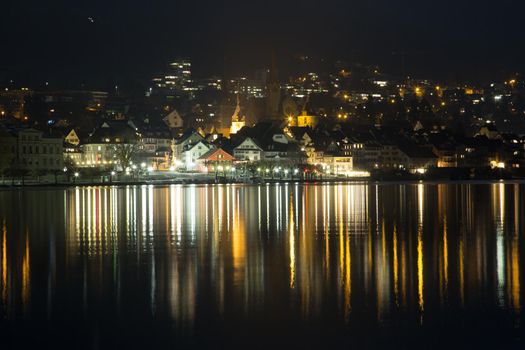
(291, 239)
(26, 273)
(515, 255)
(238, 235)
(348, 279)
(420, 266)
(341, 232)
(326, 223)
(396, 263)
(515, 276)
(420, 282)
(500, 242)
(461, 272)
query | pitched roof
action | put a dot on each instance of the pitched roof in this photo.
(213, 154)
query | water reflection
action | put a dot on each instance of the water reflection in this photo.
(351, 253)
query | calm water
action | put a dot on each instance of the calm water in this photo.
(314, 266)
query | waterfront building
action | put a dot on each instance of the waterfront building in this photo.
(248, 150)
(189, 137)
(30, 149)
(192, 153)
(215, 158)
(101, 148)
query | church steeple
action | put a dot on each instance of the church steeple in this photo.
(238, 121)
(237, 112)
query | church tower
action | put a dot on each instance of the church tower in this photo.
(238, 122)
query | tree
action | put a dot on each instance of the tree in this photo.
(125, 152)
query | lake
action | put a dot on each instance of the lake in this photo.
(359, 265)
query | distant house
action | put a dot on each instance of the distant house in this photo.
(155, 145)
(30, 149)
(193, 152)
(248, 150)
(173, 120)
(214, 158)
(100, 148)
(418, 158)
(302, 135)
(339, 164)
(72, 138)
(490, 132)
(304, 120)
(189, 137)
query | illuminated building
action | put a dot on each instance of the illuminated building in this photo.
(177, 79)
(189, 137)
(72, 138)
(238, 122)
(100, 150)
(173, 120)
(248, 150)
(305, 120)
(193, 152)
(215, 158)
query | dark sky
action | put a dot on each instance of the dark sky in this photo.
(56, 40)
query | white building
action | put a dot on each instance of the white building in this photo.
(193, 152)
(248, 150)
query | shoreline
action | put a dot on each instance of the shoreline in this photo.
(369, 181)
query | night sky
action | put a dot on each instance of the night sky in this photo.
(71, 41)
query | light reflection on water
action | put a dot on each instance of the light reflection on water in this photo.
(352, 255)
